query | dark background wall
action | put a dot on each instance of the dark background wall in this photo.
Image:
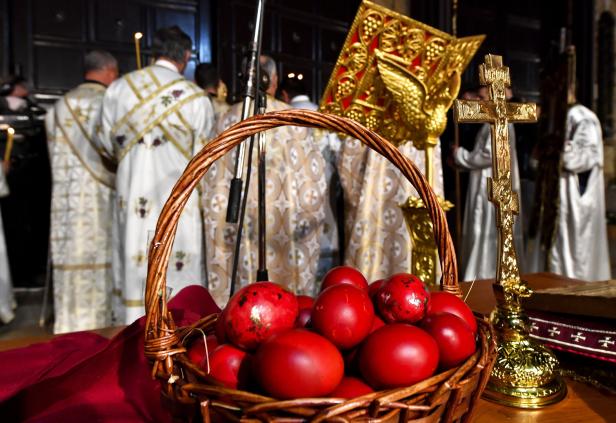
(44, 40)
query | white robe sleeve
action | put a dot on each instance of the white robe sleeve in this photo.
(581, 153)
(481, 156)
(103, 137)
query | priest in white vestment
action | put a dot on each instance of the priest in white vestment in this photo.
(295, 207)
(81, 202)
(579, 248)
(377, 240)
(479, 234)
(7, 301)
(293, 91)
(154, 121)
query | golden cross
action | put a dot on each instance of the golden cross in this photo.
(499, 113)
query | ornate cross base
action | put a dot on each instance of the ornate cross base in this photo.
(525, 372)
(425, 254)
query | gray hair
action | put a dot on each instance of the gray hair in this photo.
(171, 43)
(269, 66)
(98, 60)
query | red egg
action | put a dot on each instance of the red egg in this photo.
(377, 323)
(230, 366)
(344, 275)
(197, 351)
(258, 311)
(444, 302)
(397, 355)
(374, 287)
(343, 314)
(304, 301)
(298, 364)
(455, 340)
(402, 298)
(351, 387)
(303, 318)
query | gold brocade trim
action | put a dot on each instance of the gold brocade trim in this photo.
(133, 303)
(178, 113)
(82, 129)
(68, 142)
(142, 101)
(128, 303)
(84, 266)
(157, 122)
(175, 142)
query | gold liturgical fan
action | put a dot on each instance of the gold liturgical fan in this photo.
(399, 77)
(525, 371)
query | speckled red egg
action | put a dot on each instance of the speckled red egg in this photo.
(402, 298)
(257, 312)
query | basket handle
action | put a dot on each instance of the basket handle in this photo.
(159, 326)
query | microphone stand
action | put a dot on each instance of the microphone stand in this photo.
(262, 275)
(235, 190)
(252, 84)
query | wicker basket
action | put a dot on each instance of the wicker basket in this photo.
(191, 394)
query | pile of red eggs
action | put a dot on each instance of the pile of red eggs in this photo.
(352, 339)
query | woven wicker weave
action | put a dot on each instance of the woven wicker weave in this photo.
(191, 394)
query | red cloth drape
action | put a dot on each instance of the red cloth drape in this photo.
(82, 377)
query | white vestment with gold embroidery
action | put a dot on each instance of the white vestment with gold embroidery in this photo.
(295, 200)
(80, 212)
(154, 121)
(7, 302)
(377, 240)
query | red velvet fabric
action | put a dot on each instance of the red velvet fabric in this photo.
(83, 377)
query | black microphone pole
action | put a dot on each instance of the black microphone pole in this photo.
(262, 275)
(252, 84)
(235, 190)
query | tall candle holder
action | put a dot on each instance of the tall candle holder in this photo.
(138, 36)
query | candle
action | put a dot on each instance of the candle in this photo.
(10, 132)
(138, 36)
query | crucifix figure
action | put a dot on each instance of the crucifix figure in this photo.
(524, 374)
(499, 114)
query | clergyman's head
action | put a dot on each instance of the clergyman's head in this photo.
(100, 66)
(174, 45)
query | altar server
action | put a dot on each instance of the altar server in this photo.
(579, 246)
(479, 232)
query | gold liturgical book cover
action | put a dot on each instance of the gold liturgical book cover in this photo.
(398, 76)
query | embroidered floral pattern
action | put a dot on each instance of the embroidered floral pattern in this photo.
(166, 100)
(120, 139)
(143, 208)
(180, 256)
(139, 258)
(177, 93)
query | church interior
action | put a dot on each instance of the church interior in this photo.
(515, 189)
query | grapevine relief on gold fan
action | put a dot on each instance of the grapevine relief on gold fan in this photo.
(422, 109)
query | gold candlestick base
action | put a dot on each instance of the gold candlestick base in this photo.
(425, 254)
(524, 374)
